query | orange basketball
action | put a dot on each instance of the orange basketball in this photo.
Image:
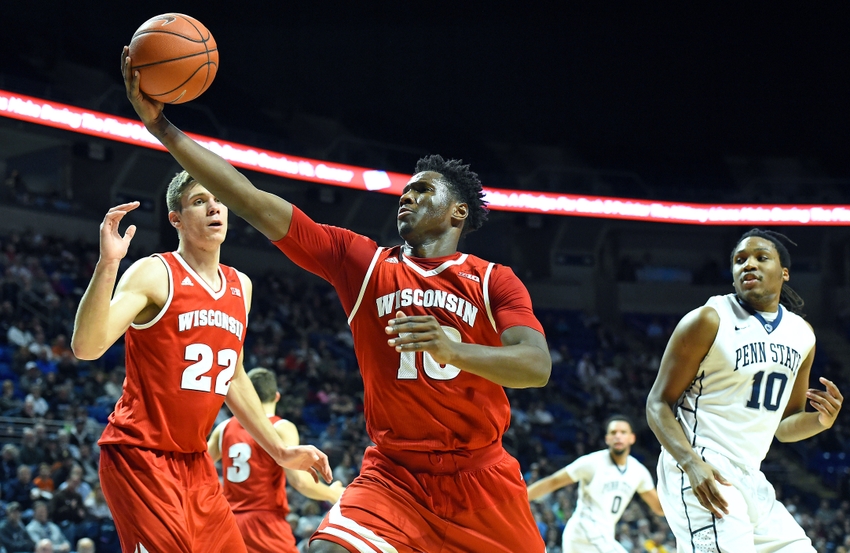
(176, 57)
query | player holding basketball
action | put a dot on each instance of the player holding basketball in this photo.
(254, 484)
(183, 316)
(437, 335)
(734, 375)
(607, 480)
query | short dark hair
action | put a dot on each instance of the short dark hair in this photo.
(619, 418)
(463, 182)
(787, 297)
(181, 182)
(264, 382)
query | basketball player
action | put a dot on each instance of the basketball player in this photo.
(607, 480)
(734, 375)
(183, 317)
(254, 484)
(437, 334)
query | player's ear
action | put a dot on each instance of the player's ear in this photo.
(785, 276)
(460, 211)
(174, 219)
(277, 396)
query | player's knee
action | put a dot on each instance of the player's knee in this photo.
(322, 546)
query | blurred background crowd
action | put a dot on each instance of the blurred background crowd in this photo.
(53, 406)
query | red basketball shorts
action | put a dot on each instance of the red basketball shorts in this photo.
(406, 502)
(266, 532)
(167, 502)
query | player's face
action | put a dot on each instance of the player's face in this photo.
(425, 208)
(619, 437)
(757, 273)
(203, 219)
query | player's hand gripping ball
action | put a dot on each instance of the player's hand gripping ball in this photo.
(176, 57)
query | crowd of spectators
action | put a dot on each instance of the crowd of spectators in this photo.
(54, 406)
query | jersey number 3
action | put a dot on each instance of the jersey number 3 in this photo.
(194, 376)
(412, 361)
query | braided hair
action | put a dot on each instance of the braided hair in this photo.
(787, 297)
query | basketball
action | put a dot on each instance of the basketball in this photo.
(176, 57)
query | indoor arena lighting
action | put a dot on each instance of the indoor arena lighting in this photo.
(111, 127)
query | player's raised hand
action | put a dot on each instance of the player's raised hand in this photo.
(421, 333)
(307, 458)
(113, 246)
(704, 478)
(826, 402)
(149, 110)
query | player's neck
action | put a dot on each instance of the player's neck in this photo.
(269, 408)
(441, 247)
(619, 459)
(204, 262)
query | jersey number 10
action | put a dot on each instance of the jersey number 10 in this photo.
(412, 361)
(772, 398)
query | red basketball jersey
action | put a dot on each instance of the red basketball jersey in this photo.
(411, 402)
(179, 365)
(253, 481)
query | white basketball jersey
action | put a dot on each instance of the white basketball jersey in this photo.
(736, 402)
(604, 491)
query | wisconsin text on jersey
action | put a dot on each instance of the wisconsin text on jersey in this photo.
(210, 317)
(756, 352)
(427, 298)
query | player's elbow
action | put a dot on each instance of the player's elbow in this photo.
(85, 351)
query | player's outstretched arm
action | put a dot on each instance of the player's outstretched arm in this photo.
(686, 349)
(304, 485)
(545, 486)
(266, 212)
(246, 407)
(101, 317)
(650, 497)
(796, 423)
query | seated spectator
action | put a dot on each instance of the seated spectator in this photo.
(9, 462)
(45, 546)
(40, 404)
(31, 453)
(88, 462)
(69, 511)
(85, 545)
(13, 534)
(44, 478)
(75, 478)
(96, 505)
(9, 402)
(42, 528)
(19, 334)
(20, 489)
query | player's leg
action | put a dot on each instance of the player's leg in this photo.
(206, 507)
(776, 531)
(145, 498)
(378, 512)
(322, 546)
(489, 511)
(577, 539)
(695, 527)
(266, 532)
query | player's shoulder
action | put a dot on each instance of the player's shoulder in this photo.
(150, 273)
